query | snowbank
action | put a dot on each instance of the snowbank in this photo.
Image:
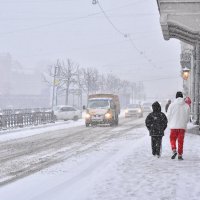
(29, 131)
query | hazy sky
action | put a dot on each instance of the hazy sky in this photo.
(36, 31)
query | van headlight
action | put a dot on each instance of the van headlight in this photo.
(139, 111)
(108, 115)
(87, 116)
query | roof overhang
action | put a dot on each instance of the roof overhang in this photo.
(180, 19)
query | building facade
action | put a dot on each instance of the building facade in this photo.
(180, 19)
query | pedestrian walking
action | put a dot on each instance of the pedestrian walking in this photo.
(167, 105)
(178, 116)
(188, 101)
(156, 123)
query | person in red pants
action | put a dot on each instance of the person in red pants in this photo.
(178, 116)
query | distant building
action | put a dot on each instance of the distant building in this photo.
(5, 72)
(19, 87)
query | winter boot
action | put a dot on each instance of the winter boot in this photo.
(180, 157)
(174, 154)
(158, 154)
(154, 153)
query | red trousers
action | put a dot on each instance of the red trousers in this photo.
(174, 135)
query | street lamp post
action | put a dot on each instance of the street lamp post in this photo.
(185, 73)
(56, 69)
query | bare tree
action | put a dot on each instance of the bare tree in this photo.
(79, 83)
(113, 84)
(68, 72)
(90, 80)
(63, 75)
(53, 80)
(124, 86)
(70, 77)
(102, 83)
(133, 91)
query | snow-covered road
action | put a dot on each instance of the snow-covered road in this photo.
(105, 163)
(22, 156)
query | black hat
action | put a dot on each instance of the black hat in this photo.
(156, 107)
(179, 94)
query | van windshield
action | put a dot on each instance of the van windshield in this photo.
(98, 103)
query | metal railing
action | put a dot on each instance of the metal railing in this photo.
(18, 118)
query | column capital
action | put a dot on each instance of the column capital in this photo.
(180, 19)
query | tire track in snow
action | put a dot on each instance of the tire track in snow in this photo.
(95, 137)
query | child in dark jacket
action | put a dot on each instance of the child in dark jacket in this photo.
(156, 123)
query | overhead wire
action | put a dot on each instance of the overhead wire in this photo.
(125, 35)
(109, 20)
(158, 79)
(50, 24)
(71, 20)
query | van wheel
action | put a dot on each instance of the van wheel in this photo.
(87, 124)
(113, 122)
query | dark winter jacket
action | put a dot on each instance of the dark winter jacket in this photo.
(156, 121)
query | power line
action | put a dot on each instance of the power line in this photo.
(76, 48)
(158, 79)
(65, 21)
(34, 1)
(50, 24)
(66, 17)
(119, 63)
(125, 35)
(142, 53)
(108, 19)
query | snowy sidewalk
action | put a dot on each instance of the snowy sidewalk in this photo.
(121, 169)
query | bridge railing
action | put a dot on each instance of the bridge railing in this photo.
(18, 118)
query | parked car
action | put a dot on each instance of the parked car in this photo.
(147, 107)
(65, 112)
(134, 110)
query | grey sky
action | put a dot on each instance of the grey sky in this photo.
(36, 31)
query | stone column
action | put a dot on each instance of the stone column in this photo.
(193, 70)
(186, 62)
(197, 76)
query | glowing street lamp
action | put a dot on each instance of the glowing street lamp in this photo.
(185, 73)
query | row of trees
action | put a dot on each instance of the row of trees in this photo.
(68, 77)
